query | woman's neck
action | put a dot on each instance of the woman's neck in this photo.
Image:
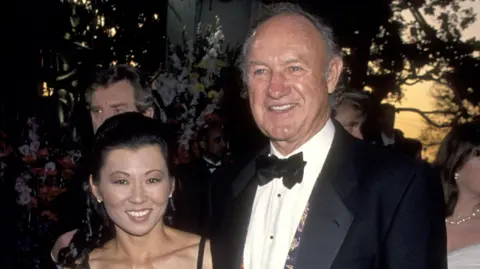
(465, 206)
(141, 248)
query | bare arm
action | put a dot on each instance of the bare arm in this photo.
(62, 242)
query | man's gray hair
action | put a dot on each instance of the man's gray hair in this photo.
(117, 73)
(280, 9)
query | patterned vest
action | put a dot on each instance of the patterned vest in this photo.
(292, 253)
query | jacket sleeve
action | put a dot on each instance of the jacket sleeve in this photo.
(417, 236)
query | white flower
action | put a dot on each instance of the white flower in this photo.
(75, 154)
(19, 186)
(32, 135)
(23, 190)
(31, 121)
(26, 176)
(24, 198)
(49, 167)
(35, 145)
(176, 63)
(25, 150)
(163, 115)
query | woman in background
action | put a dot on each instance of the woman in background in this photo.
(458, 161)
(129, 190)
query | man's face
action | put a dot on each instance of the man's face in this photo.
(387, 119)
(216, 144)
(287, 82)
(112, 100)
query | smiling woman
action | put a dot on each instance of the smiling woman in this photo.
(129, 189)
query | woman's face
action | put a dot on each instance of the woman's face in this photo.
(469, 177)
(134, 186)
(351, 119)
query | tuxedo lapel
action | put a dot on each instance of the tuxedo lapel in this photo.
(329, 216)
(227, 247)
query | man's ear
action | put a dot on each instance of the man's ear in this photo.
(202, 144)
(149, 112)
(335, 68)
(94, 189)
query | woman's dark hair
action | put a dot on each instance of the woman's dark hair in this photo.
(129, 130)
(459, 146)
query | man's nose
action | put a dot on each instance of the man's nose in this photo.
(277, 87)
(223, 142)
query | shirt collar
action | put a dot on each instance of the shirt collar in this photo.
(212, 162)
(321, 140)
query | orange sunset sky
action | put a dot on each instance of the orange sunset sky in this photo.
(418, 96)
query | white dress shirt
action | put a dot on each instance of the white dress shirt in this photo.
(387, 140)
(277, 211)
(214, 164)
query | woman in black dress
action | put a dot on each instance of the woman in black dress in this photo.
(129, 190)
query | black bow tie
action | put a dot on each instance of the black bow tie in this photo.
(290, 169)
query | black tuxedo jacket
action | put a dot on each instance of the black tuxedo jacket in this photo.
(203, 195)
(370, 208)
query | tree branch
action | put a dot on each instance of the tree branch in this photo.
(409, 109)
(427, 145)
(424, 114)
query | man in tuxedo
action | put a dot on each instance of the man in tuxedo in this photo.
(389, 137)
(205, 184)
(317, 197)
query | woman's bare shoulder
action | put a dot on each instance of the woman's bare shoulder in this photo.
(185, 239)
(195, 252)
(190, 246)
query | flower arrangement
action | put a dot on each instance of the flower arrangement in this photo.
(188, 87)
(46, 168)
(44, 173)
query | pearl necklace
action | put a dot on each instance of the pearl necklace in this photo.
(460, 221)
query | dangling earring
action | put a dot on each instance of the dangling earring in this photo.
(456, 176)
(170, 201)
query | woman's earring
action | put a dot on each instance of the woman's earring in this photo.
(170, 201)
(456, 176)
(99, 201)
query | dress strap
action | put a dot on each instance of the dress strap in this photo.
(201, 252)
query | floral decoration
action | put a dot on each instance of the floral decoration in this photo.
(44, 174)
(188, 87)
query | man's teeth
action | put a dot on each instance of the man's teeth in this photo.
(282, 107)
(138, 213)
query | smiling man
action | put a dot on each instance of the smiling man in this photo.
(317, 197)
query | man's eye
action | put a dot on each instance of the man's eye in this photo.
(259, 71)
(295, 68)
(95, 110)
(118, 110)
(120, 181)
